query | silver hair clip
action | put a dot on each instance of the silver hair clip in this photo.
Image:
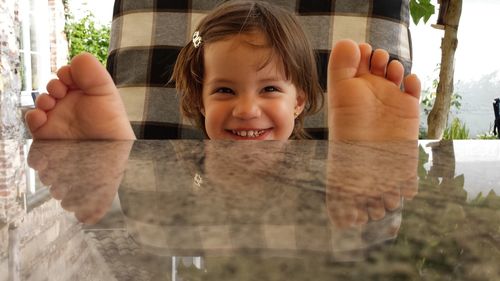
(196, 39)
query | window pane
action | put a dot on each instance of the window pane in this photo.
(33, 41)
(23, 72)
(21, 38)
(34, 71)
(32, 5)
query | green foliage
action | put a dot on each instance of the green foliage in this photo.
(456, 131)
(429, 98)
(86, 36)
(444, 233)
(421, 9)
(487, 136)
(490, 200)
(429, 95)
(422, 133)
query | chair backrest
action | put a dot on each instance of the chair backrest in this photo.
(147, 35)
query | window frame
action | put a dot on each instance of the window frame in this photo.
(41, 27)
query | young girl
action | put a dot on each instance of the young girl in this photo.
(248, 73)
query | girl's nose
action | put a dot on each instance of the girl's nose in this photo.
(246, 108)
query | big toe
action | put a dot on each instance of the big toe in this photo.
(90, 75)
(344, 61)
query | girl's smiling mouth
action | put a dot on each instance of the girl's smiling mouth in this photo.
(249, 133)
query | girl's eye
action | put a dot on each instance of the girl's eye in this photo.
(224, 91)
(271, 89)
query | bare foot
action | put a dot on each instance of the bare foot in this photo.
(365, 101)
(83, 103)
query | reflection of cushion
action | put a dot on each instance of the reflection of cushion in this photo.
(184, 222)
(275, 208)
(147, 36)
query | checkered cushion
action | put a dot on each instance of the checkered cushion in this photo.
(147, 35)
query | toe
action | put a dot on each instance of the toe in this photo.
(58, 191)
(344, 61)
(362, 215)
(364, 64)
(45, 102)
(376, 209)
(412, 85)
(379, 62)
(35, 119)
(57, 88)
(410, 189)
(37, 160)
(64, 75)
(395, 72)
(91, 76)
(392, 200)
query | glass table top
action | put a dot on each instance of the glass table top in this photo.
(212, 210)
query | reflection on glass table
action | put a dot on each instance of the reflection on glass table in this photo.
(293, 210)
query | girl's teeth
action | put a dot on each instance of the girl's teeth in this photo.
(251, 133)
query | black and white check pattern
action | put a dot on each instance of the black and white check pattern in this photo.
(179, 198)
(290, 223)
(147, 36)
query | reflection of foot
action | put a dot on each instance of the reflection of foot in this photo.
(368, 180)
(85, 176)
(83, 103)
(364, 97)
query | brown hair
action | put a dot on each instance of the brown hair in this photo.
(285, 37)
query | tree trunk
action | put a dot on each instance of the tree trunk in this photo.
(438, 117)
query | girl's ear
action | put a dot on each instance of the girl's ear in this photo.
(202, 110)
(301, 102)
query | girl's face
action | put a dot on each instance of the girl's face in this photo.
(246, 94)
